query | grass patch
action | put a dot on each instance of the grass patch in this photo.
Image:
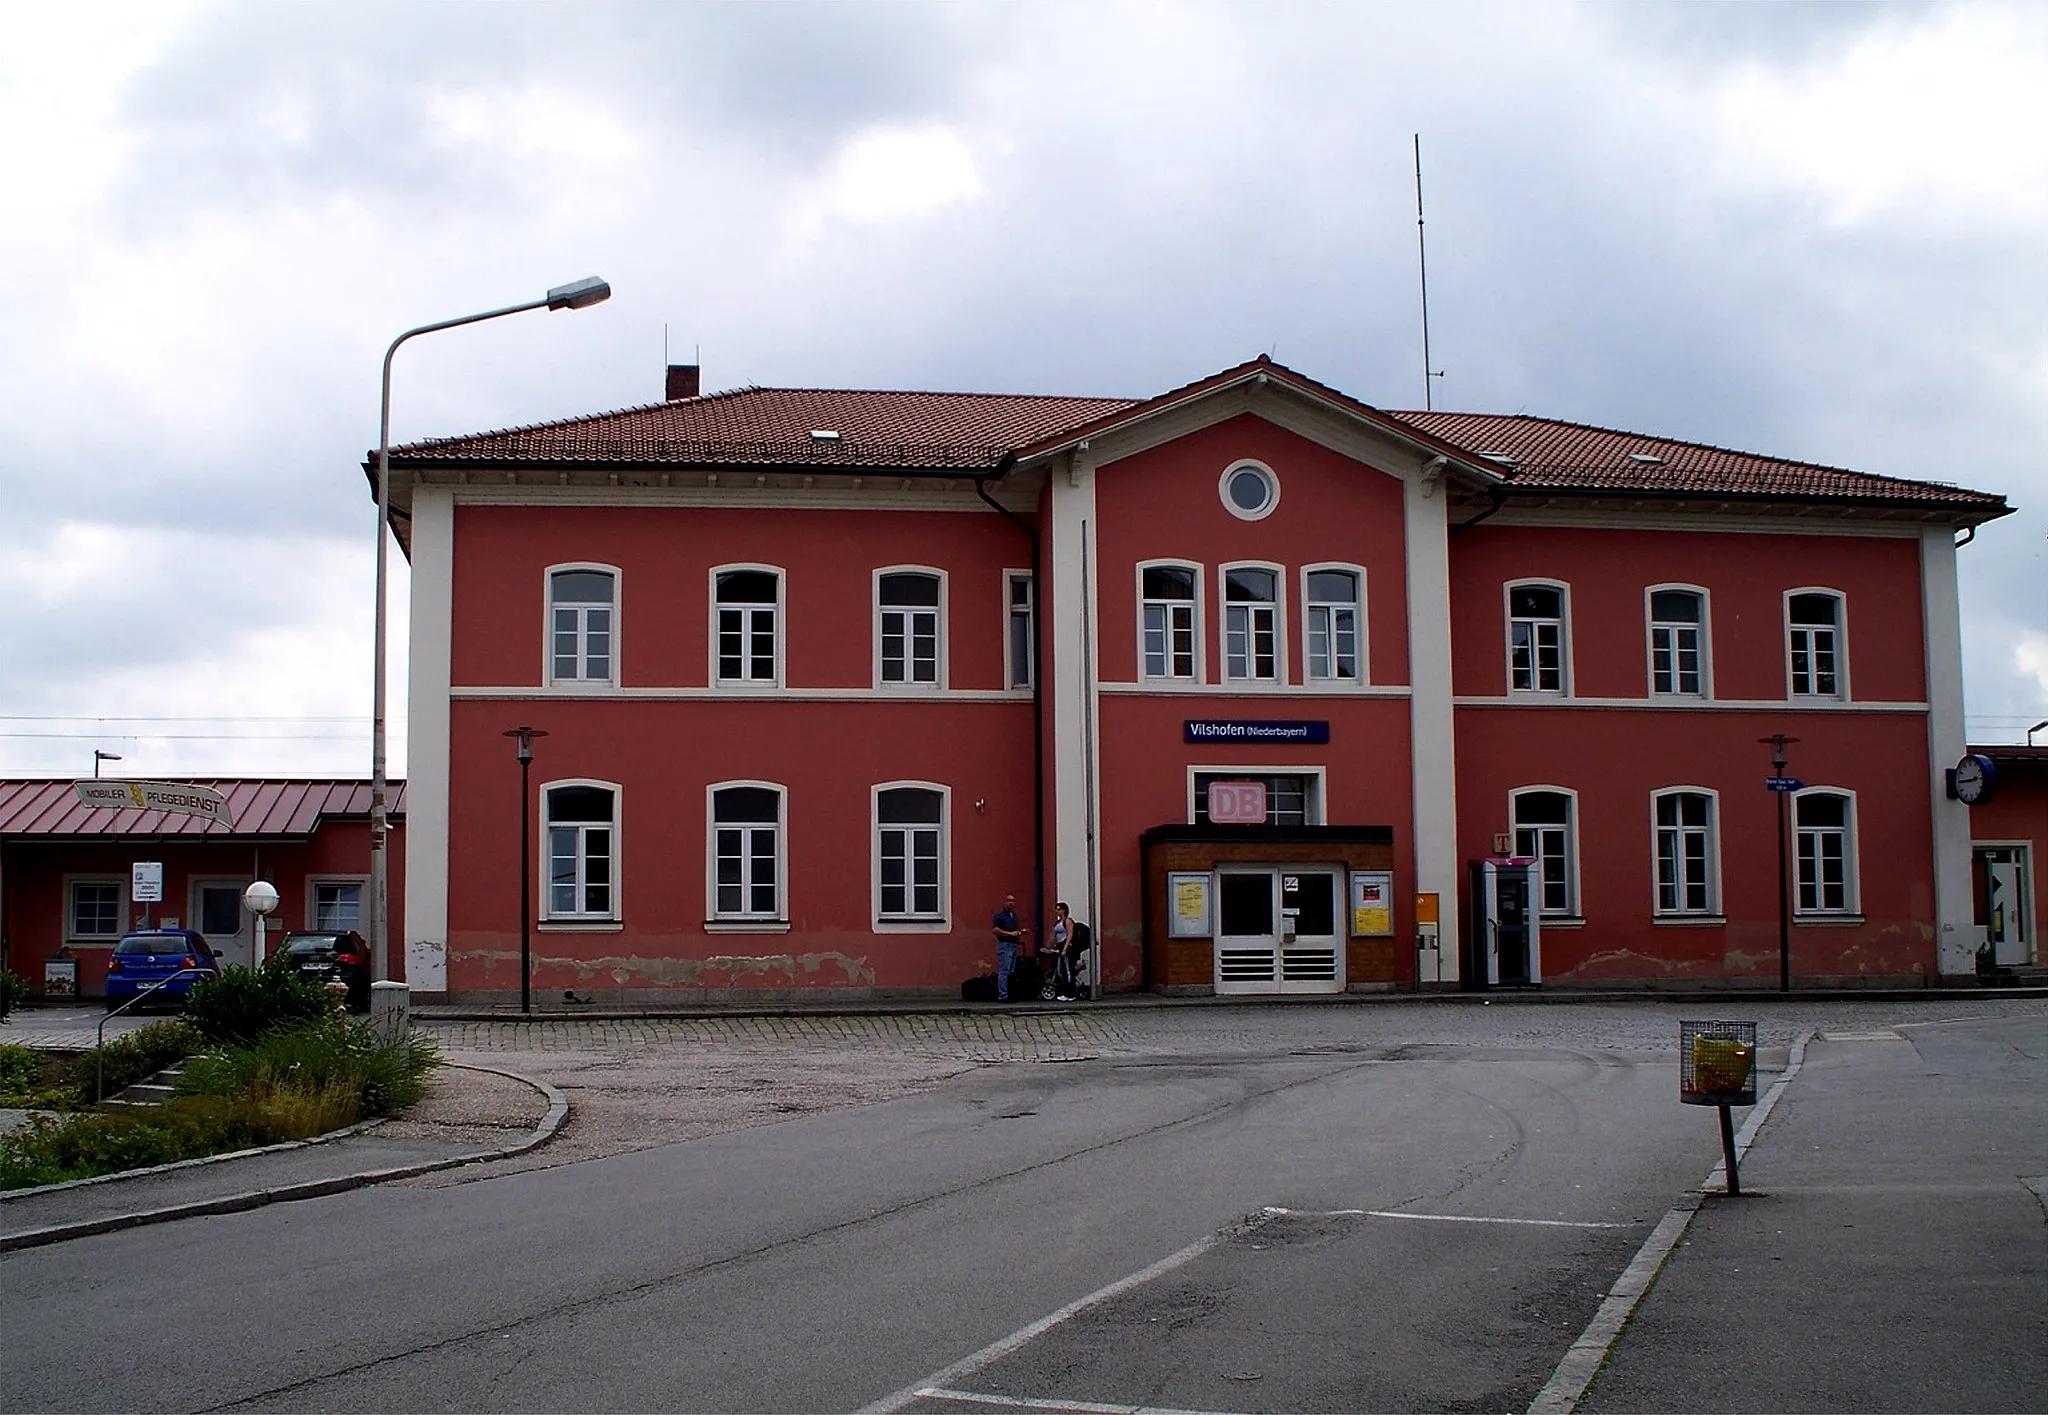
(289, 1084)
(125, 1060)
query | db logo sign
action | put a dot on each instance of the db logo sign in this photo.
(1237, 802)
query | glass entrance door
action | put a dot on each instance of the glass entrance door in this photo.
(1247, 931)
(1311, 943)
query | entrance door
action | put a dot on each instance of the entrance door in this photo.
(1311, 945)
(1247, 931)
(217, 913)
(2003, 910)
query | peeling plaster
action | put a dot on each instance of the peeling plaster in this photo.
(782, 968)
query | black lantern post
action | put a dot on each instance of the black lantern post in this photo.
(525, 736)
(1782, 786)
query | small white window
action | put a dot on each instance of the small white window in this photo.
(1251, 624)
(1019, 640)
(1546, 831)
(910, 855)
(1536, 638)
(1813, 634)
(581, 826)
(1678, 643)
(1249, 490)
(1688, 851)
(1336, 651)
(335, 904)
(95, 908)
(581, 625)
(747, 611)
(1167, 598)
(747, 853)
(908, 628)
(1825, 824)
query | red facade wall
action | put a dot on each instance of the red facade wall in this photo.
(35, 873)
(1745, 576)
(2017, 813)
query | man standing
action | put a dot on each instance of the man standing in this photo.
(1008, 936)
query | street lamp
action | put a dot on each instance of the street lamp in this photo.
(99, 756)
(2035, 728)
(1782, 786)
(576, 295)
(525, 736)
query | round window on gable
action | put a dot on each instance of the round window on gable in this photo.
(1250, 490)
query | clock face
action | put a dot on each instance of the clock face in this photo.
(1973, 779)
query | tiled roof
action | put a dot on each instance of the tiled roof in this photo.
(1574, 457)
(941, 432)
(258, 808)
(763, 426)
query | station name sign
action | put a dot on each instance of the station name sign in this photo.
(1210, 729)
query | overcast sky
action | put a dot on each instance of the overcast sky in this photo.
(1814, 232)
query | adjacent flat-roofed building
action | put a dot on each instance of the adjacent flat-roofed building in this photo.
(1257, 677)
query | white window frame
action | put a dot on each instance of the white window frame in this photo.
(313, 883)
(1308, 616)
(1574, 908)
(746, 920)
(547, 593)
(1841, 692)
(779, 628)
(941, 922)
(1194, 604)
(1316, 807)
(1852, 883)
(121, 907)
(1651, 624)
(1011, 678)
(1279, 606)
(1711, 861)
(940, 668)
(1272, 484)
(1564, 636)
(548, 915)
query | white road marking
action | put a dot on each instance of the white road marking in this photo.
(1446, 1218)
(1080, 1407)
(996, 1350)
(1567, 1384)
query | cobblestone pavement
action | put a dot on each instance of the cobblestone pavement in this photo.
(637, 1083)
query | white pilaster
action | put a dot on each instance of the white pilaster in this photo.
(1941, 616)
(426, 741)
(1073, 757)
(1432, 742)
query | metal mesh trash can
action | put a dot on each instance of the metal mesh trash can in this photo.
(1717, 1063)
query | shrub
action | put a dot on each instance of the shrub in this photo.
(51, 1149)
(21, 1074)
(243, 1003)
(135, 1057)
(333, 1054)
(12, 990)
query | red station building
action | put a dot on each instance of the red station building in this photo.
(1255, 676)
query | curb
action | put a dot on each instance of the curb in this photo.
(557, 1113)
(1575, 1373)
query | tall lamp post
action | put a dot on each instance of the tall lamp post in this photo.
(578, 294)
(99, 756)
(525, 736)
(1782, 787)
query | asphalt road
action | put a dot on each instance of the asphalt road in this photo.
(1237, 1209)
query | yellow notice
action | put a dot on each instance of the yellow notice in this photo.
(1372, 904)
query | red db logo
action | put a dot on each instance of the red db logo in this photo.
(1237, 802)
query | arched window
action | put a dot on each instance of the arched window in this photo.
(1813, 643)
(1688, 853)
(908, 606)
(1536, 638)
(910, 854)
(747, 605)
(1331, 600)
(582, 604)
(581, 824)
(747, 853)
(1251, 624)
(1166, 602)
(1547, 831)
(1678, 639)
(1825, 825)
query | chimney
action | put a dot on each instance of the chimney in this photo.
(682, 381)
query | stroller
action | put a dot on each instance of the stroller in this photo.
(1066, 977)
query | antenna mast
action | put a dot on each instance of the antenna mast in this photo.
(1422, 266)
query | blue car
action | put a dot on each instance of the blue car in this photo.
(148, 956)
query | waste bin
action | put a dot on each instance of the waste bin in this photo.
(1717, 1063)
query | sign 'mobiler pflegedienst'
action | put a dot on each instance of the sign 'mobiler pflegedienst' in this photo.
(173, 797)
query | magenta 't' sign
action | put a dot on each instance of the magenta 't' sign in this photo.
(1237, 802)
